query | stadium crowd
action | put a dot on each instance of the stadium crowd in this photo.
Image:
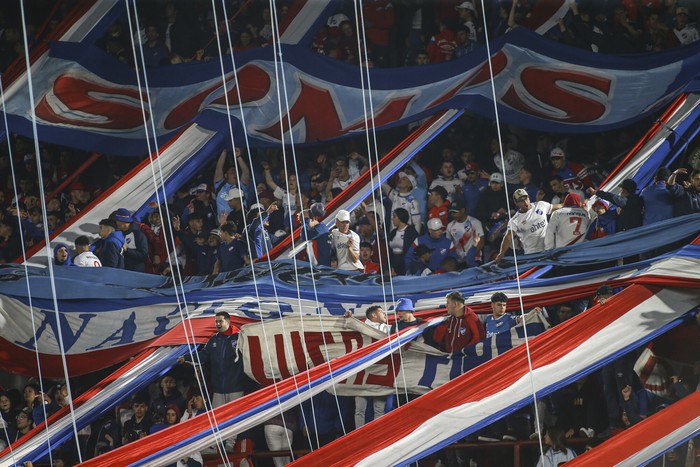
(446, 210)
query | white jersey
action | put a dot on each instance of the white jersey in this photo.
(566, 226)
(531, 226)
(340, 245)
(383, 327)
(342, 184)
(462, 235)
(687, 35)
(289, 201)
(87, 260)
(514, 161)
(449, 185)
(409, 203)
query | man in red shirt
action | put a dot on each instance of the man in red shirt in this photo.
(438, 204)
(461, 329)
(366, 257)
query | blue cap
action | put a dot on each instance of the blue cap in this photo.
(404, 304)
(122, 215)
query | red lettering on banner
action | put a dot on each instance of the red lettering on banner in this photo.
(352, 336)
(499, 62)
(543, 88)
(393, 364)
(298, 348)
(281, 356)
(314, 342)
(317, 110)
(105, 106)
(254, 83)
(257, 366)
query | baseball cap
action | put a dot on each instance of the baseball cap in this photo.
(342, 216)
(411, 178)
(404, 304)
(604, 290)
(496, 177)
(435, 224)
(681, 10)
(28, 158)
(318, 210)
(465, 6)
(556, 152)
(439, 190)
(199, 188)
(122, 215)
(233, 193)
(520, 193)
(471, 166)
(215, 233)
(335, 20)
(257, 206)
(363, 221)
(601, 202)
(456, 205)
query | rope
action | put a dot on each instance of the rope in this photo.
(279, 65)
(245, 217)
(24, 262)
(175, 272)
(362, 48)
(515, 256)
(49, 255)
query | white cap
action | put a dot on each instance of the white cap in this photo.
(411, 178)
(233, 193)
(342, 216)
(200, 187)
(256, 206)
(466, 6)
(335, 20)
(496, 177)
(557, 152)
(435, 224)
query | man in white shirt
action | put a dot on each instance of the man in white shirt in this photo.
(684, 33)
(467, 235)
(568, 225)
(402, 197)
(346, 243)
(447, 179)
(376, 318)
(529, 224)
(85, 258)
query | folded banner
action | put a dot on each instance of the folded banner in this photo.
(86, 98)
(281, 348)
(107, 315)
(480, 397)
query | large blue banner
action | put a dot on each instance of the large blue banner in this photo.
(88, 99)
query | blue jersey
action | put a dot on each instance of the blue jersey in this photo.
(497, 326)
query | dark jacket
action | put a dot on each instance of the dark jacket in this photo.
(687, 199)
(109, 250)
(631, 209)
(136, 255)
(225, 363)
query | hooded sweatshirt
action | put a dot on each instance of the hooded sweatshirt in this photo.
(68, 261)
(456, 333)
